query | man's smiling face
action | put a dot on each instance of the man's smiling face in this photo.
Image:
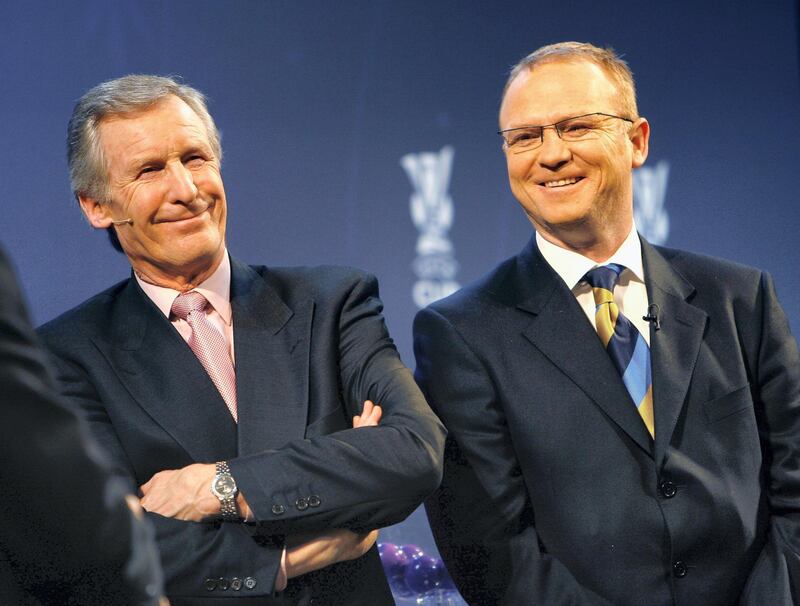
(573, 191)
(163, 175)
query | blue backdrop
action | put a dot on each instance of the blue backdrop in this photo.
(318, 103)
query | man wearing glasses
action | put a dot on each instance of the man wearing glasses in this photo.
(624, 419)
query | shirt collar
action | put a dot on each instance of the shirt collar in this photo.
(572, 266)
(216, 289)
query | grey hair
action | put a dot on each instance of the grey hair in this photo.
(125, 95)
(606, 58)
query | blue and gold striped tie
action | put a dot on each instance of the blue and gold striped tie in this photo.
(624, 343)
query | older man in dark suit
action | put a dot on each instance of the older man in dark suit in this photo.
(624, 419)
(70, 533)
(225, 390)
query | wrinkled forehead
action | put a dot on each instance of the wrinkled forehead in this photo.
(165, 123)
(553, 90)
(163, 112)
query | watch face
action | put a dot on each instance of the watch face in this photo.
(223, 485)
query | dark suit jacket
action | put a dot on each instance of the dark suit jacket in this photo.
(310, 346)
(66, 533)
(554, 492)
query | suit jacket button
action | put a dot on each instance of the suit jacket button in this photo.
(249, 582)
(668, 489)
(679, 569)
(211, 584)
(301, 504)
(236, 583)
(278, 509)
(223, 583)
(314, 501)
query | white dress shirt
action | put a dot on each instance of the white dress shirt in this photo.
(630, 295)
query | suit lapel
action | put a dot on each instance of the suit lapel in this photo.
(674, 348)
(164, 376)
(561, 331)
(272, 356)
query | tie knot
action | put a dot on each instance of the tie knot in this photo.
(604, 277)
(188, 302)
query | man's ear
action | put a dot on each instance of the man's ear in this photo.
(640, 138)
(97, 213)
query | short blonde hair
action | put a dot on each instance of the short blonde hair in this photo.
(606, 58)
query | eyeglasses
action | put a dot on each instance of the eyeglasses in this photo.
(577, 128)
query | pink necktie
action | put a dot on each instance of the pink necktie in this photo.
(208, 345)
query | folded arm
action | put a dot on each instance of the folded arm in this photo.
(184, 494)
(191, 552)
(361, 478)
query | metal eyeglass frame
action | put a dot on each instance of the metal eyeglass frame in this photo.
(555, 126)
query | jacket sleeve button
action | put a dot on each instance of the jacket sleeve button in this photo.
(249, 582)
(278, 509)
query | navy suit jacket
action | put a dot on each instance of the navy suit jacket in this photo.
(67, 535)
(555, 493)
(311, 346)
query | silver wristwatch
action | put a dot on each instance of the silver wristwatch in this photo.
(223, 486)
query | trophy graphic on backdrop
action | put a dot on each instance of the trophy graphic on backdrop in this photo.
(432, 213)
(649, 193)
